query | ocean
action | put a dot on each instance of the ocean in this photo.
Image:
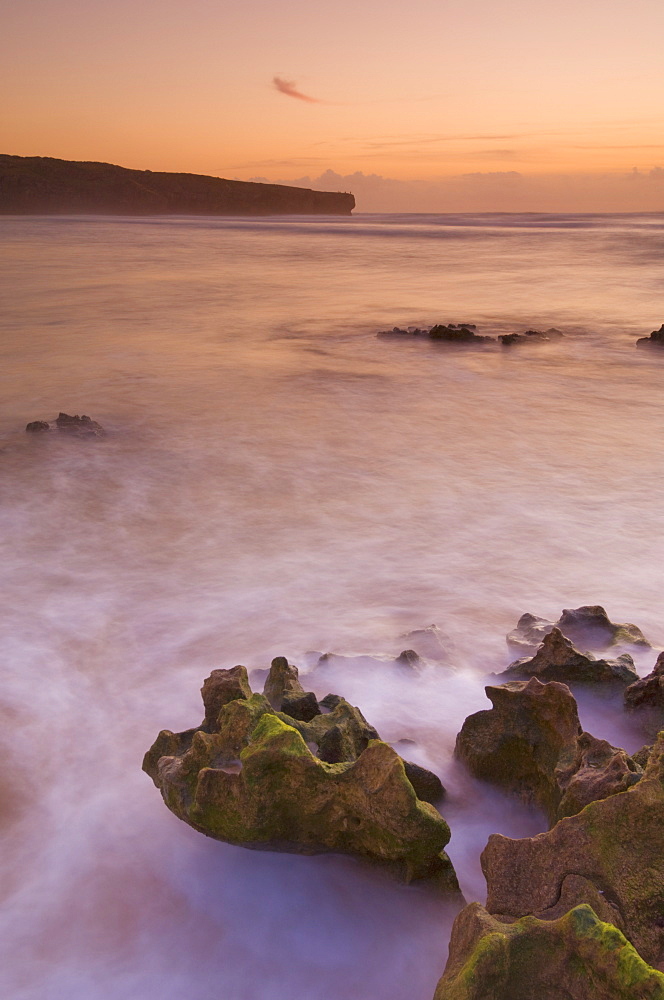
(277, 480)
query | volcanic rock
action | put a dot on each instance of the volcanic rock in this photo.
(576, 957)
(613, 848)
(557, 659)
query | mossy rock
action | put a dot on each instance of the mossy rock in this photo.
(576, 957)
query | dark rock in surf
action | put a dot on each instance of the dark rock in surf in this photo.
(530, 336)
(74, 426)
(646, 696)
(557, 659)
(529, 633)
(428, 786)
(656, 339)
(577, 956)
(429, 642)
(304, 707)
(457, 334)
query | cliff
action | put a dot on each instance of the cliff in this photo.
(40, 185)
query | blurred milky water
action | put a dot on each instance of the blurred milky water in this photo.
(277, 480)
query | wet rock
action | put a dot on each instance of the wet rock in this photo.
(74, 426)
(530, 336)
(525, 742)
(531, 744)
(454, 334)
(304, 707)
(656, 339)
(282, 682)
(529, 633)
(218, 689)
(591, 628)
(614, 848)
(248, 776)
(427, 785)
(38, 427)
(410, 659)
(576, 957)
(588, 627)
(646, 697)
(557, 659)
(429, 642)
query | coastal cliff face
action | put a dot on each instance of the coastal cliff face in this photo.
(40, 185)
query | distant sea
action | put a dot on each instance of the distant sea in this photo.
(278, 480)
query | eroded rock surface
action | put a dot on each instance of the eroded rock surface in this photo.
(576, 957)
(646, 697)
(250, 775)
(613, 849)
(588, 627)
(558, 659)
(531, 744)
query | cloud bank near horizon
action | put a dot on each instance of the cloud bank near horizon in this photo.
(495, 191)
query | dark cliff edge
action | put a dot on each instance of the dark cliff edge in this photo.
(40, 185)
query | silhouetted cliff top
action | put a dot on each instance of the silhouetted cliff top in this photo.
(41, 185)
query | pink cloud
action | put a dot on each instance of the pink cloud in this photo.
(289, 88)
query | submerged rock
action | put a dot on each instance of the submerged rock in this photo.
(588, 627)
(531, 744)
(656, 339)
(429, 642)
(610, 855)
(576, 957)
(530, 336)
(646, 696)
(557, 659)
(249, 776)
(454, 333)
(74, 426)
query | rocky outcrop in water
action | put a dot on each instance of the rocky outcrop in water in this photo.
(41, 185)
(610, 856)
(588, 627)
(254, 776)
(576, 957)
(73, 426)
(530, 337)
(656, 339)
(531, 744)
(557, 659)
(464, 333)
(646, 697)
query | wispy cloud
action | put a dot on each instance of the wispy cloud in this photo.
(289, 88)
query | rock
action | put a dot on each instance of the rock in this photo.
(656, 339)
(591, 628)
(80, 427)
(576, 957)
(248, 776)
(600, 770)
(530, 336)
(525, 742)
(457, 334)
(588, 627)
(429, 642)
(304, 707)
(410, 659)
(218, 689)
(649, 691)
(614, 847)
(428, 786)
(531, 744)
(529, 633)
(282, 682)
(557, 659)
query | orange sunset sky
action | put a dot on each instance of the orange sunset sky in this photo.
(468, 105)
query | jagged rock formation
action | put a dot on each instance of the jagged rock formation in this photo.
(530, 336)
(656, 339)
(531, 744)
(610, 856)
(588, 627)
(576, 957)
(255, 776)
(646, 696)
(557, 659)
(40, 185)
(74, 426)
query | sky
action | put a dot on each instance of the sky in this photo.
(431, 105)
